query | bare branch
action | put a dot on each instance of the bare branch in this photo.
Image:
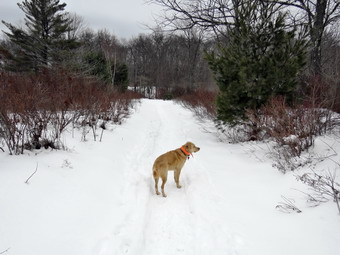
(2, 252)
(324, 186)
(287, 206)
(183, 14)
(36, 169)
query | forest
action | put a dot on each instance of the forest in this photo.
(238, 62)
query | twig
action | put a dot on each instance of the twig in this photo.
(101, 135)
(102, 127)
(94, 132)
(313, 201)
(36, 169)
(2, 252)
(287, 206)
(331, 155)
(2, 151)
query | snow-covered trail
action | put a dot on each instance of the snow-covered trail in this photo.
(180, 223)
(98, 198)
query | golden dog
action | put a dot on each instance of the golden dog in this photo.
(172, 160)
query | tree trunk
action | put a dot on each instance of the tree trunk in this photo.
(316, 34)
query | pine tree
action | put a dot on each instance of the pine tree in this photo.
(121, 77)
(262, 59)
(44, 40)
(96, 65)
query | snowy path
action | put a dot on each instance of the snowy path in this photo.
(98, 198)
(157, 225)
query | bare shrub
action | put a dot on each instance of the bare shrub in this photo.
(12, 131)
(292, 128)
(201, 102)
(232, 133)
(321, 92)
(119, 107)
(12, 107)
(324, 187)
(99, 106)
(35, 109)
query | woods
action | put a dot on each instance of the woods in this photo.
(239, 53)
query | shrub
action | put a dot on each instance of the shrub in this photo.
(324, 187)
(292, 128)
(201, 102)
(35, 109)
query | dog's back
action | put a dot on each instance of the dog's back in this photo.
(169, 161)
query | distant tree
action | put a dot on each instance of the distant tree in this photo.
(113, 50)
(121, 76)
(96, 65)
(140, 56)
(43, 42)
(261, 60)
(76, 26)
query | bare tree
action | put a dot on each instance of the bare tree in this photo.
(317, 15)
(212, 15)
(76, 24)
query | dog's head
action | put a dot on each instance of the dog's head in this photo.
(190, 147)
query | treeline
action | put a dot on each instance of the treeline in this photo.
(157, 65)
(231, 58)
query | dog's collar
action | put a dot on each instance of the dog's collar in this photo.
(185, 152)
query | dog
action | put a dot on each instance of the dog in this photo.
(172, 160)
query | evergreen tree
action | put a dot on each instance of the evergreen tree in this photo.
(121, 77)
(262, 59)
(96, 65)
(44, 40)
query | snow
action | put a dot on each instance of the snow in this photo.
(97, 198)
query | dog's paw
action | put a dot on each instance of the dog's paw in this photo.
(179, 186)
(164, 195)
(158, 193)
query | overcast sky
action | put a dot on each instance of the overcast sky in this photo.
(123, 18)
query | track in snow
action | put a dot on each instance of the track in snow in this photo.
(188, 221)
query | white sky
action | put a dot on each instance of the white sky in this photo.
(123, 18)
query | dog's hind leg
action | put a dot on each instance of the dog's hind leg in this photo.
(164, 178)
(156, 178)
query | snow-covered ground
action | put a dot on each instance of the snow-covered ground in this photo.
(97, 198)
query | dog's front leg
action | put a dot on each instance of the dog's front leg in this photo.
(176, 177)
